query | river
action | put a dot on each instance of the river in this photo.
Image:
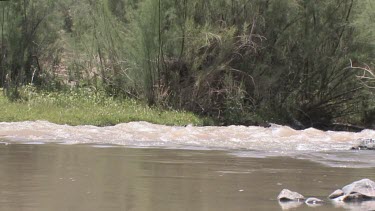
(141, 166)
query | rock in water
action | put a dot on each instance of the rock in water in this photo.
(288, 205)
(336, 194)
(361, 190)
(312, 201)
(362, 206)
(287, 195)
(365, 144)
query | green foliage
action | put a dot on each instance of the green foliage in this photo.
(238, 61)
(27, 38)
(87, 106)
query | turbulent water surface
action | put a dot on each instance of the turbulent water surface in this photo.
(141, 166)
(330, 148)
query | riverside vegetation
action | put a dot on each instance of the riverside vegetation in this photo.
(301, 63)
(85, 106)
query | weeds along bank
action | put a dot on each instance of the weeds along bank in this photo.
(86, 107)
(238, 61)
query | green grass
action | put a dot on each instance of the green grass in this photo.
(85, 107)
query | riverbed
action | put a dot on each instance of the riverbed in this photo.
(140, 166)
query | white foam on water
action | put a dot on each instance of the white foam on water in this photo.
(276, 140)
(104, 146)
(34, 143)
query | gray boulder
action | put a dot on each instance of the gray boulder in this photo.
(362, 190)
(287, 195)
(365, 144)
(337, 193)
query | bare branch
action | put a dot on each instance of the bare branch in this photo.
(367, 76)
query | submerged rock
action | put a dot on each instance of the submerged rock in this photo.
(365, 205)
(314, 201)
(359, 194)
(287, 195)
(357, 191)
(365, 144)
(288, 205)
(289, 200)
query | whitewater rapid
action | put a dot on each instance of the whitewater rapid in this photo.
(253, 141)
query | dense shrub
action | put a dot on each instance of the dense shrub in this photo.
(239, 61)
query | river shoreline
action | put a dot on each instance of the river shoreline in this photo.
(88, 108)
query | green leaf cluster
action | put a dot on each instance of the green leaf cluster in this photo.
(238, 61)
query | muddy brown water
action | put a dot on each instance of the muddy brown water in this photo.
(88, 177)
(140, 166)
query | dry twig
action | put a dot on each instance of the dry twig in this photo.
(367, 75)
